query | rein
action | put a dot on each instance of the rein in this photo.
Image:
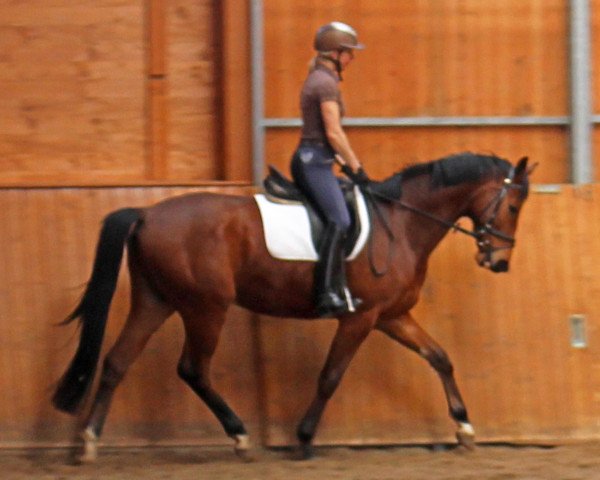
(478, 234)
(388, 230)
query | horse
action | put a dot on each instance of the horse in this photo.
(199, 253)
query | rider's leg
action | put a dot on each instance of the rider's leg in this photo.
(313, 174)
(330, 280)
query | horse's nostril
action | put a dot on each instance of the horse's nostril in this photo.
(500, 266)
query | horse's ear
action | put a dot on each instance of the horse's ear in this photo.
(521, 166)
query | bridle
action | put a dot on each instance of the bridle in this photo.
(487, 229)
(481, 232)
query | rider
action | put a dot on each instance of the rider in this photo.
(322, 142)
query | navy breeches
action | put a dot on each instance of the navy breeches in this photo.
(312, 172)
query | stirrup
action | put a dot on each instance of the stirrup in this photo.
(331, 304)
(352, 302)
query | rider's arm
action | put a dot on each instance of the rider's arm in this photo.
(330, 111)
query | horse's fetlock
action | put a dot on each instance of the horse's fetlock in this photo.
(459, 414)
(305, 432)
(304, 437)
(234, 426)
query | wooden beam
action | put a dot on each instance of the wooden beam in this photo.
(235, 102)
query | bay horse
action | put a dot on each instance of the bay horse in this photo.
(197, 254)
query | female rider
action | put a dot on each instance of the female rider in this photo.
(322, 142)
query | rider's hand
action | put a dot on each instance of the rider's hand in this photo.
(359, 177)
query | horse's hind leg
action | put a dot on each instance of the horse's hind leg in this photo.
(202, 335)
(146, 315)
(406, 331)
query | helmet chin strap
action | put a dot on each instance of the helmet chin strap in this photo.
(335, 61)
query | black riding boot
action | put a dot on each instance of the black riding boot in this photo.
(330, 281)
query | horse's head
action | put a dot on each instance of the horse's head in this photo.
(495, 212)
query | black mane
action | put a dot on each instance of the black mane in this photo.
(447, 171)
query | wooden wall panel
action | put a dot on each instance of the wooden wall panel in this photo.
(109, 92)
(384, 151)
(84, 104)
(236, 93)
(193, 61)
(508, 336)
(435, 58)
(47, 245)
(74, 110)
(72, 93)
(441, 58)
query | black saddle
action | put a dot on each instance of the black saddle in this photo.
(280, 189)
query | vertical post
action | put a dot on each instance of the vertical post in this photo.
(581, 100)
(156, 90)
(257, 54)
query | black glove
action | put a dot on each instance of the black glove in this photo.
(359, 177)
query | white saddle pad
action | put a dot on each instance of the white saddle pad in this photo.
(287, 229)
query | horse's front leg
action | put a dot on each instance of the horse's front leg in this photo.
(351, 332)
(406, 331)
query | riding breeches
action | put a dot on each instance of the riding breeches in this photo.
(312, 172)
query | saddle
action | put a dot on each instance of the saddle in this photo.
(280, 189)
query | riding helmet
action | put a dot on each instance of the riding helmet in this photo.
(336, 36)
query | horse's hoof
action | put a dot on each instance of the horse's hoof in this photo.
(86, 457)
(307, 452)
(466, 436)
(89, 452)
(242, 448)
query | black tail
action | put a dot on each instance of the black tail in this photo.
(93, 309)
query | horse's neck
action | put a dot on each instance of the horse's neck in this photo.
(446, 204)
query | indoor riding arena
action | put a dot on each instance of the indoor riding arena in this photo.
(107, 104)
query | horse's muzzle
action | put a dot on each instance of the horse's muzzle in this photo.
(499, 266)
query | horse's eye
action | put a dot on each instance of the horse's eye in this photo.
(512, 209)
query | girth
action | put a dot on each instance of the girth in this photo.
(280, 189)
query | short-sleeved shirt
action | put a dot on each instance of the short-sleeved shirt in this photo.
(320, 86)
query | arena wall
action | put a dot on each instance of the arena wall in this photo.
(508, 335)
(116, 103)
